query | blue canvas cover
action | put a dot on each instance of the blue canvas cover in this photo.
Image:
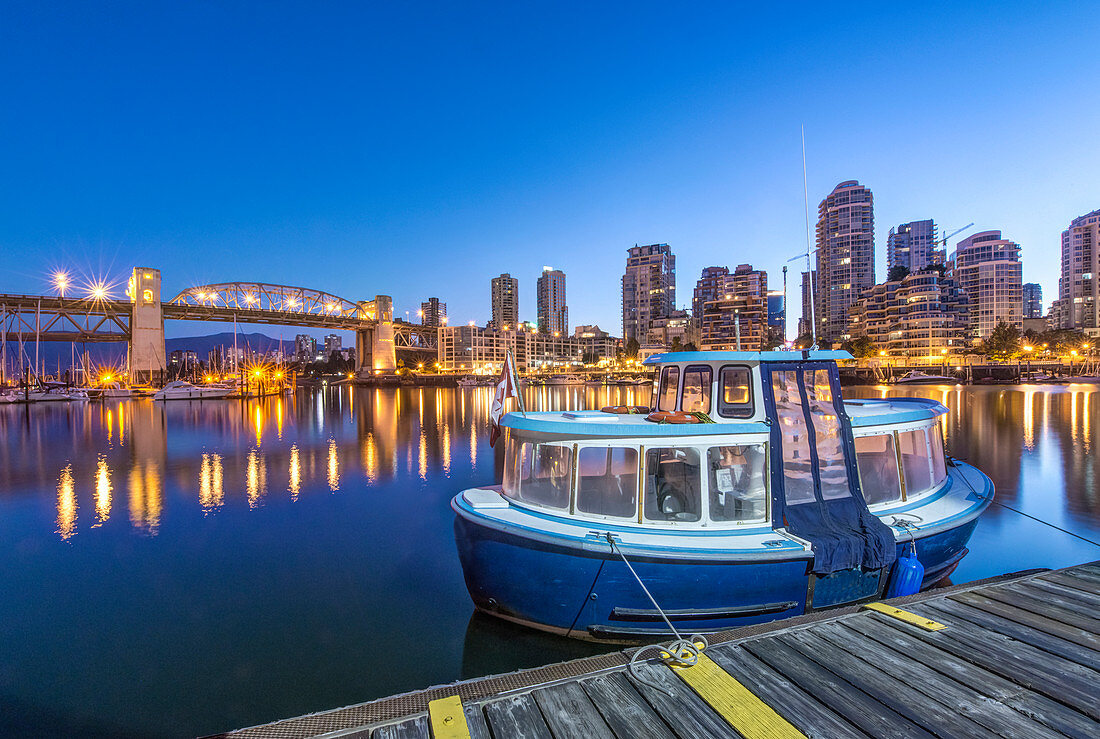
(816, 490)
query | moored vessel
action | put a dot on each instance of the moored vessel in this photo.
(752, 492)
(183, 390)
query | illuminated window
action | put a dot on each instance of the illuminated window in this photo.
(147, 295)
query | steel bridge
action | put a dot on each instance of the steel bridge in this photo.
(102, 319)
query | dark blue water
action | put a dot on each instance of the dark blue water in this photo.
(178, 569)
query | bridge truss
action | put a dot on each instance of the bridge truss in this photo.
(64, 319)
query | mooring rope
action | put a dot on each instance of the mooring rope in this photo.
(683, 652)
(954, 463)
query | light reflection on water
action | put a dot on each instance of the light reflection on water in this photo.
(147, 541)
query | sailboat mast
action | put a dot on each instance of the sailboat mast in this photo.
(809, 265)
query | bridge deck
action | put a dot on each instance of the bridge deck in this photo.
(1020, 656)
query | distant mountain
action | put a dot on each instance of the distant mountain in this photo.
(53, 353)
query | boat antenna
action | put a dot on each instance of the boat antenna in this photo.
(809, 267)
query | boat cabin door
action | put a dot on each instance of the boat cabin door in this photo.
(815, 484)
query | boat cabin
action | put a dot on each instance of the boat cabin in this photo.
(718, 472)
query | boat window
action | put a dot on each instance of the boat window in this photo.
(878, 468)
(737, 489)
(735, 392)
(666, 397)
(538, 473)
(696, 395)
(672, 484)
(939, 466)
(607, 481)
(798, 476)
(915, 461)
(832, 467)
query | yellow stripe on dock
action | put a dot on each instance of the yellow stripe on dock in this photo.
(447, 719)
(751, 717)
(909, 618)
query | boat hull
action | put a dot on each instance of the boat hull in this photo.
(575, 591)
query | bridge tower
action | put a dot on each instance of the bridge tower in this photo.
(147, 361)
(374, 347)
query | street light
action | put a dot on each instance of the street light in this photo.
(61, 281)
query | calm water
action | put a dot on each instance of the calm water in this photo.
(187, 568)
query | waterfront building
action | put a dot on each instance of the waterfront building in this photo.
(913, 246)
(505, 302)
(333, 343)
(845, 256)
(649, 288)
(739, 312)
(664, 331)
(805, 322)
(988, 270)
(305, 347)
(709, 287)
(925, 314)
(474, 349)
(553, 313)
(433, 312)
(1032, 300)
(181, 361)
(777, 316)
(1078, 303)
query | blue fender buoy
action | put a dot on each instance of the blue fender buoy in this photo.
(907, 575)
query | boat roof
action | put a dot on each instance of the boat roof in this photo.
(597, 424)
(774, 356)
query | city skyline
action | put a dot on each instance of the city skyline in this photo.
(165, 142)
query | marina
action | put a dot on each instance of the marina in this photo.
(1017, 656)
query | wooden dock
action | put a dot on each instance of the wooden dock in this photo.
(1017, 656)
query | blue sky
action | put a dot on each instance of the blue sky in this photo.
(419, 149)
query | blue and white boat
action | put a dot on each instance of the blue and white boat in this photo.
(777, 499)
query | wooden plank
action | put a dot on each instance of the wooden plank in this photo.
(854, 705)
(997, 717)
(516, 716)
(1090, 578)
(1027, 618)
(447, 718)
(1092, 568)
(684, 712)
(1043, 709)
(414, 728)
(624, 710)
(1053, 676)
(813, 718)
(569, 712)
(1045, 608)
(751, 717)
(885, 687)
(1043, 589)
(1041, 639)
(476, 723)
(892, 612)
(1068, 580)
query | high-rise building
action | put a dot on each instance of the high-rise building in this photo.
(777, 316)
(333, 343)
(553, 313)
(1033, 300)
(913, 246)
(707, 288)
(988, 270)
(738, 317)
(433, 313)
(505, 302)
(922, 315)
(305, 347)
(845, 256)
(1078, 303)
(806, 321)
(649, 288)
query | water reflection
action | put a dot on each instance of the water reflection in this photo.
(66, 503)
(211, 490)
(102, 491)
(295, 486)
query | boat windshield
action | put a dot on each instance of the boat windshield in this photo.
(878, 468)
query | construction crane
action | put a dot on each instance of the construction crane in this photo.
(943, 242)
